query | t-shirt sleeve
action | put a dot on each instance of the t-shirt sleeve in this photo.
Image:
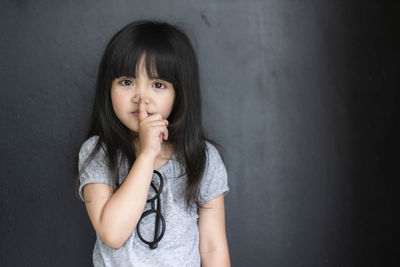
(97, 170)
(215, 177)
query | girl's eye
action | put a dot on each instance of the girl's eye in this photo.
(126, 82)
(159, 85)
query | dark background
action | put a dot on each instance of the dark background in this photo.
(303, 95)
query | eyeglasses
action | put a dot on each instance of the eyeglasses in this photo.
(159, 218)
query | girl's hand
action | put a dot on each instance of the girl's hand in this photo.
(152, 130)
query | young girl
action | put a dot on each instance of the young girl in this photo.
(152, 182)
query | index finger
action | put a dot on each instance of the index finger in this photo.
(142, 108)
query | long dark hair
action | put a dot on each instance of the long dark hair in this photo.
(170, 57)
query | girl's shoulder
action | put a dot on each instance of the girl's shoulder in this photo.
(212, 151)
(214, 158)
(87, 147)
(89, 143)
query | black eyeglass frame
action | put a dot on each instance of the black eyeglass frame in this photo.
(154, 244)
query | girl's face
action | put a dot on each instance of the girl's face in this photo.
(159, 97)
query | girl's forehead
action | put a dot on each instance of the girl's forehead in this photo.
(141, 66)
(145, 65)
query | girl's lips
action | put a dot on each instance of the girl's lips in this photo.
(136, 113)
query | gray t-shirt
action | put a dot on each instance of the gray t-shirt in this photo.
(180, 244)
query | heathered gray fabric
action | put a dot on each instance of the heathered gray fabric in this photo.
(180, 243)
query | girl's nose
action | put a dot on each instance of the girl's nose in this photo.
(135, 97)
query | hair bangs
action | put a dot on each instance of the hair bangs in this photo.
(124, 63)
(161, 64)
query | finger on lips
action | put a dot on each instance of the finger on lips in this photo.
(142, 108)
(143, 115)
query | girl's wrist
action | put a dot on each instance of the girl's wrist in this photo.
(147, 156)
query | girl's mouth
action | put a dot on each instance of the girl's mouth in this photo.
(136, 113)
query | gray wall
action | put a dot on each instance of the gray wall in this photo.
(302, 95)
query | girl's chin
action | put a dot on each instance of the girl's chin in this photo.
(133, 133)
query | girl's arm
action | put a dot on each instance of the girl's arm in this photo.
(115, 216)
(213, 244)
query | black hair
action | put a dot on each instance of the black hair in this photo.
(169, 56)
